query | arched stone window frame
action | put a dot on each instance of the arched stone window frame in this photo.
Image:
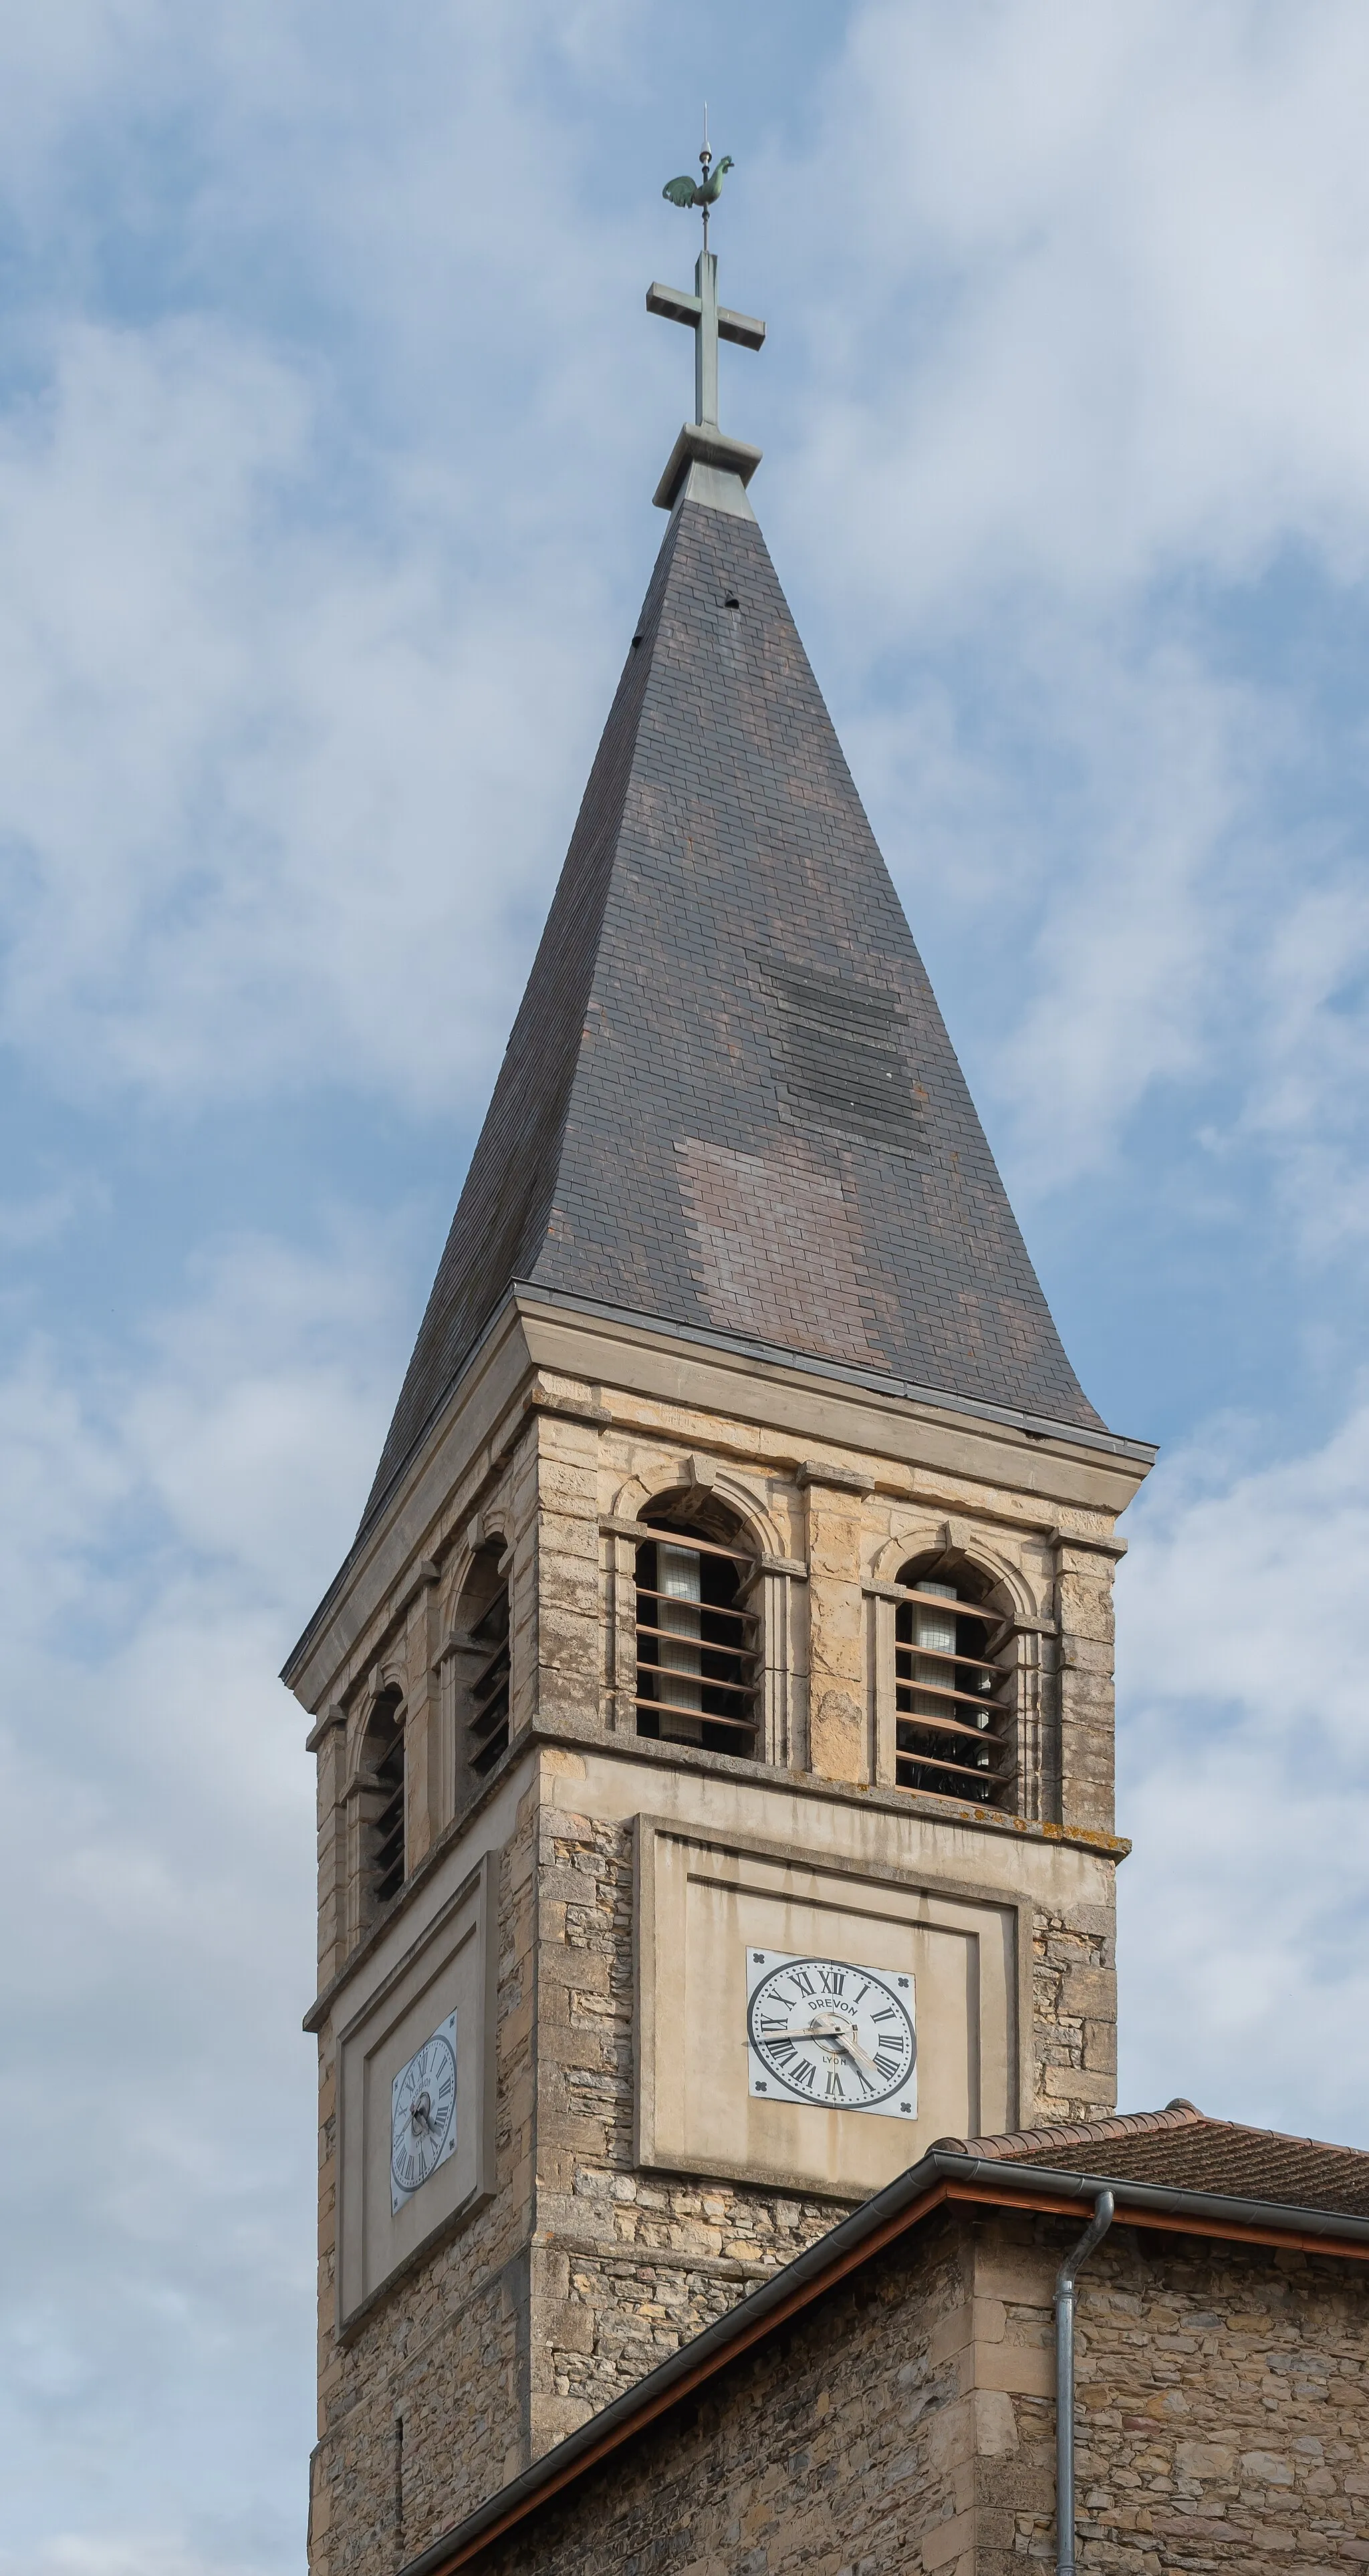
(364, 1798)
(779, 1730)
(458, 1660)
(1020, 1656)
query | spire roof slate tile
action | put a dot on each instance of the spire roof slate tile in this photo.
(729, 1099)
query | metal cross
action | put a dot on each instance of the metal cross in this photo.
(710, 322)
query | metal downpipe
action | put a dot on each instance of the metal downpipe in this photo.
(1065, 2280)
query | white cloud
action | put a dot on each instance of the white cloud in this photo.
(308, 536)
(165, 1532)
(1093, 299)
(1082, 292)
(1307, 1100)
(334, 612)
(304, 788)
(1097, 849)
(147, 2554)
(1244, 1769)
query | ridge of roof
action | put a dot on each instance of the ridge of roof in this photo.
(1182, 2147)
(1014, 2146)
(728, 1046)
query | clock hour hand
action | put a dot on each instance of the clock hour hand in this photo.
(853, 2050)
(828, 2027)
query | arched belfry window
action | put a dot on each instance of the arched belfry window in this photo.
(954, 1729)
(480, 1654)
(698, 1628)
(382, 1764)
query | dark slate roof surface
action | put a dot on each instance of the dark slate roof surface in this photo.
(729, 1099)
(1184, 2150)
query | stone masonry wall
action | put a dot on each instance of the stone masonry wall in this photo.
(905, 2425)
(444, 2357)
(1223, 2406)
(1074, 2013)
(630, 2264)
(836, 2446)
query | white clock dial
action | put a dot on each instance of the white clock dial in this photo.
(423, 2114)
(823, 2031)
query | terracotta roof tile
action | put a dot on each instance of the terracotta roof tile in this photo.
(1183, 2149)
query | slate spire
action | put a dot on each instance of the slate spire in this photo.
(729, 1103)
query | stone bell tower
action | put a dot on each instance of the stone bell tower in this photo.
(714, 1714)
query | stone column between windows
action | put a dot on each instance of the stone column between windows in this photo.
(782, 1733)
(565, 1563)
(881, 1641)
(1032, 1788)
(620, 1631)
(328, 1740)
(839, 1745)
(423, 1764)
(1084, 1567)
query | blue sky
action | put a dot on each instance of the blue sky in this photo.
(329, 419)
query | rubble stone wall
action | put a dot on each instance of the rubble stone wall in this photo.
(1222, 2405)
(905, 2424)
(841, 2444)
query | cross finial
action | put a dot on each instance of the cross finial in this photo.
(701, 310)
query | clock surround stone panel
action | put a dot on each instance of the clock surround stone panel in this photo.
(704, 1903)
(447, 1974)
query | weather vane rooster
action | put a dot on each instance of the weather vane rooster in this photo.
(701, 312)
(704, 192)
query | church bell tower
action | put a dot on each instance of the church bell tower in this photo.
(713, 1716)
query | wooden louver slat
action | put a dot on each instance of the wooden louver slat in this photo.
(664, 1536)
(701, 1681)
(940, 1690)
(986, 1780)
(960, 1609)
(704, 1717)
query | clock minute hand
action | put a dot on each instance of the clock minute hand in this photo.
(830, 2028)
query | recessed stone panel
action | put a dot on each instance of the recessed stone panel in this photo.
(447, 1973)
(704, 1905)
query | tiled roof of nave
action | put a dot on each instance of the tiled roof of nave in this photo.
(1183, 2150)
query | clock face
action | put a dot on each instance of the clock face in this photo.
(822, 2031)
(423, 2114)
